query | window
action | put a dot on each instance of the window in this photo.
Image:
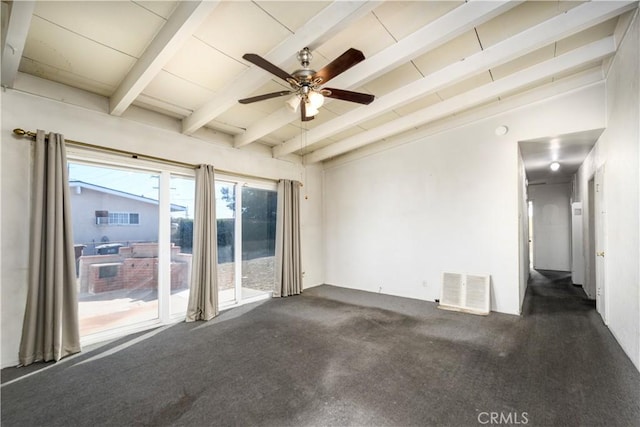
(123, 218)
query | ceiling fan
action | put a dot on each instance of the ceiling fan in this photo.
(308, 95)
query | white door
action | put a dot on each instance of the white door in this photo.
(600, 214)
(577, 245)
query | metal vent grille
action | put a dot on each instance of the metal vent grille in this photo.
(469, 293)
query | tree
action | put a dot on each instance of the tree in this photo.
(257, 204)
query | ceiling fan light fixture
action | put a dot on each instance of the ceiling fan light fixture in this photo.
(293, 103)
(315, 99)
(554, 166)
(310, 109)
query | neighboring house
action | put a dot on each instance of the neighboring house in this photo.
(103, 215)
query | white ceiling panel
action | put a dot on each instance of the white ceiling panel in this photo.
(589, 35)
(339, 107)
(238, 27)
(65, 77)
(367, 35)
(199, 63)
(346, 133)
(579, 70)
(241, 116)
(60, 49)
(161, 8)
(456, 50)
(123, 25)
(177, 91)
(465, 85)
(519, 18)
(524, 61)
(419, 104)
(402, 18)
(379, 120)
(166, 110)
(287, 132)
(401, 76)
(292, 14)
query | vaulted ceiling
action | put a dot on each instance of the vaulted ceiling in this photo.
(425, 60)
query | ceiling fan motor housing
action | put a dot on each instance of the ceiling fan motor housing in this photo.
(305, 57)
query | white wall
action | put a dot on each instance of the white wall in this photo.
(618, 150)
(89, 122)
(396, 219)
(311, 227)
(551, 226)
(523, 237)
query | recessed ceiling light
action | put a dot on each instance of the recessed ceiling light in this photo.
(501, 130)
(554, 166)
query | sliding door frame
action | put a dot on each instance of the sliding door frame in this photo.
(164, 172)
(240, 183)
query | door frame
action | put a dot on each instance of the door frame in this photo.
(602, 303)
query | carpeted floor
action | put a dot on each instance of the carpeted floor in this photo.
(336, 357)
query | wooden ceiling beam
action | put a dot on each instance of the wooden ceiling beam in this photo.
(181, 25)
(590, 53)
(447, 27)
(545, 33)
(14, 37)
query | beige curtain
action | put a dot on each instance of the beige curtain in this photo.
(288, 259)
(50, 330)
(203, 296)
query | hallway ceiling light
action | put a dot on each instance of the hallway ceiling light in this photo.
(554, 166)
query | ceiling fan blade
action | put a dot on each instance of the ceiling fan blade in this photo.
(347, 95)
(265, 96)
(267, 66)
(339, 65)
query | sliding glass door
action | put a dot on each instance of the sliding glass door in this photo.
(182, 206)
(133, 237)
(258, 240)
(115, 214)
(246, 213)
(226, 225)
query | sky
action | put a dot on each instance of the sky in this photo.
(144, 184)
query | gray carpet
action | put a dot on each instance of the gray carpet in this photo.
(339, 357)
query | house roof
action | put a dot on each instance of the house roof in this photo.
(113, 192)
(426, 61)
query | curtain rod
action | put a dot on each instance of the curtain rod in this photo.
(30, 134)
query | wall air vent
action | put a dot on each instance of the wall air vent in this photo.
(469, 293)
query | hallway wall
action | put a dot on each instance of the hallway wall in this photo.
(618, 149)
(551, 226)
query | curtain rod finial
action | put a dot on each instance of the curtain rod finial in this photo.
(19, 131)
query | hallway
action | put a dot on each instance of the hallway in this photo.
(587, 370)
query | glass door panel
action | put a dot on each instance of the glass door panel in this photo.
(258, 241)
(182, 210)
(115, 219)
(225, 216)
